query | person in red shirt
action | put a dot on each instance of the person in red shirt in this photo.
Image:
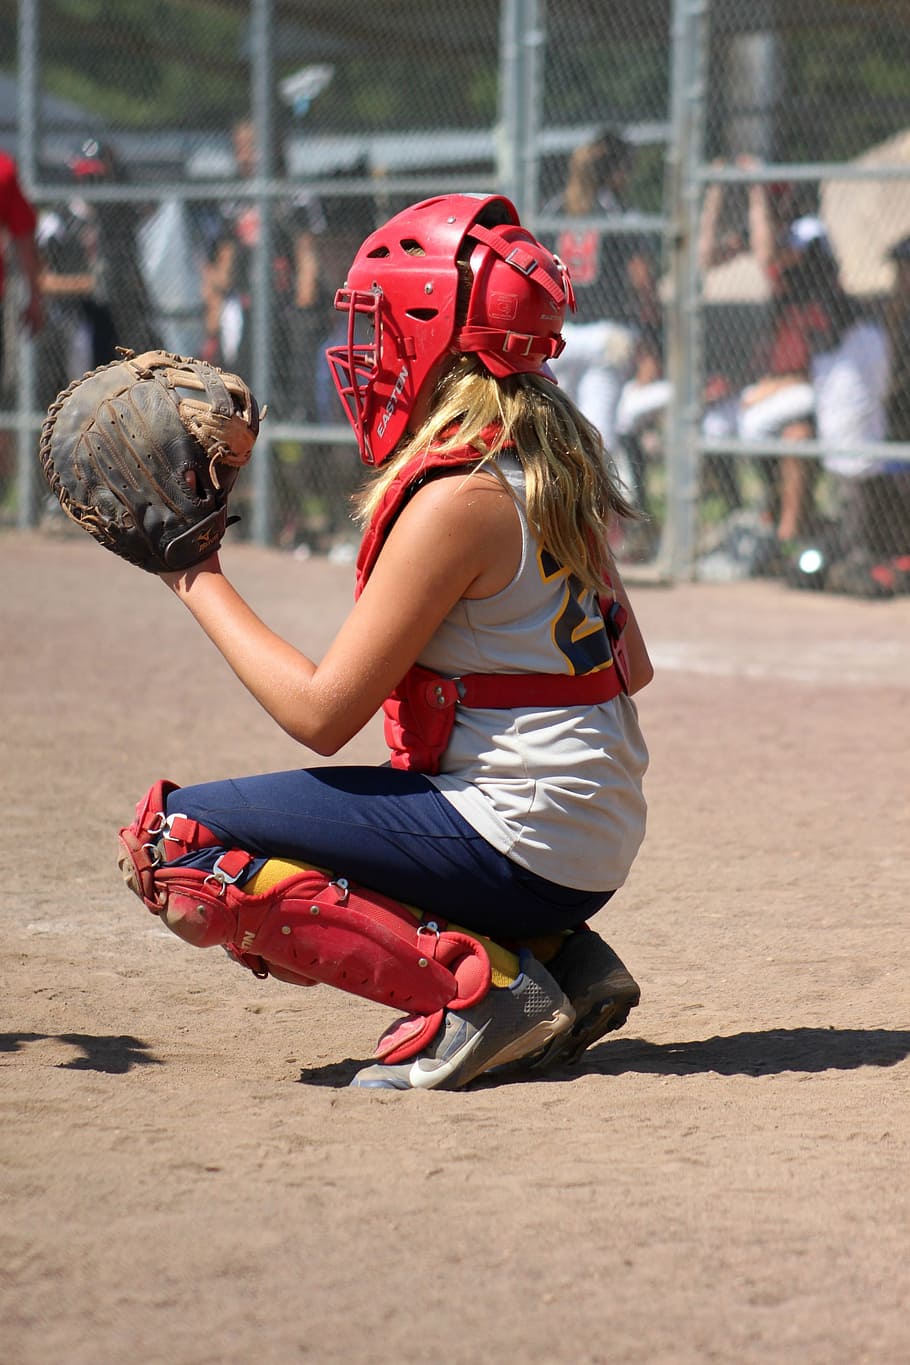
(787, 241)
(17, 225)
(17, 222)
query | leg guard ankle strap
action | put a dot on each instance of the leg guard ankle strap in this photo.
(308, 926)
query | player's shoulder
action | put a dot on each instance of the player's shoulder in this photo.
(470, 505)
(460, 489)
(468, 525)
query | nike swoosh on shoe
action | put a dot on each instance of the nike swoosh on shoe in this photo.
(424, 1077)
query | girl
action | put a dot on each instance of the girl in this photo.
(495, 633)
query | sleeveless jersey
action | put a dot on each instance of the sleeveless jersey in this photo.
(557, 790)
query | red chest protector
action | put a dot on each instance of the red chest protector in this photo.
(420, 712)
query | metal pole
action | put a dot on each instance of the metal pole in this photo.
(521, 39)
(684, 155)
(28, 120)
(509, 105)
(262, 304)
(533, 41)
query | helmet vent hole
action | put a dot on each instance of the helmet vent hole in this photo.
(423, 314)
(412, 247)
(378, 251)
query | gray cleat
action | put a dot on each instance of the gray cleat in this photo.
(602, 991)
(508, 1024)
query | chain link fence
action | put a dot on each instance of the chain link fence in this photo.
(798, 289)
(729, 181)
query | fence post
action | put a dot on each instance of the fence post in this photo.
(28, 116)
(262, 83)
(521, 39)
(684, 154)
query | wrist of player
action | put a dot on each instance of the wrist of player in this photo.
(182, 581)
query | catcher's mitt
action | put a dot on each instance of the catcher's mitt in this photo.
(143, 453)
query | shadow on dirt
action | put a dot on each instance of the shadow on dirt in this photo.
(767, 1053)
(112, 1054)
(336, 1075)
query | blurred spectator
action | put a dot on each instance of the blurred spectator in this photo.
(646, 395)
(860, 397)
(172, 253)
(226, 277)
(787, 241)
(301, 300)
(617, 326)
(643, 401)
(898, 322)
(780, 404)
(305, 297)
(322, 476)
(17, 223)
(313, 242)
(92, 278)
(639, 423)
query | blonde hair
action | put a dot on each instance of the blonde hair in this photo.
(571, 490)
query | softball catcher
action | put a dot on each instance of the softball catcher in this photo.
(453, 884)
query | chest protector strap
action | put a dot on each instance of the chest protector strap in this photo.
(420, 713)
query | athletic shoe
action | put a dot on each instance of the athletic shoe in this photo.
(602, 992)
(510, 1022)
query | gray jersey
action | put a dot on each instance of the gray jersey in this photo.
(559, 791)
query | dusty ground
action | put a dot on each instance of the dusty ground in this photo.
(186, 1178)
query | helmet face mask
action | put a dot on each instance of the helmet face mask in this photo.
(404, 282)
(355, 363)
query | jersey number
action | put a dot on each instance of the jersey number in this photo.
(580, 638)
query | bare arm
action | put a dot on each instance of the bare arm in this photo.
(761, 233)
(55, 285)
(761, 226)
(30, 265)
(216, 283)
(714, 247)
(644, 284)
(455, 539)
(306, 270)
(708, 251)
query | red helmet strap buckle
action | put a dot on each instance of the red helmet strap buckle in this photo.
(509, 343)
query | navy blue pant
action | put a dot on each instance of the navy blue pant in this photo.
(391, 831)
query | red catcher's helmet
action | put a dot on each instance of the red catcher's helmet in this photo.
(404, 284)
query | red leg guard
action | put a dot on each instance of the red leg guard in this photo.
(152, 840)
(308, 928)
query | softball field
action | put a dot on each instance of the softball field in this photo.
(187, 1180)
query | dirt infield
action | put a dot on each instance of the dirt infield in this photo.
(187, 1179)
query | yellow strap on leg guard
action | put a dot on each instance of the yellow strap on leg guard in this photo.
(503, 963)
(545, 947)
(504, 966)
(274, 871)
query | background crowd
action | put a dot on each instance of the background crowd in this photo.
(821, 366)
